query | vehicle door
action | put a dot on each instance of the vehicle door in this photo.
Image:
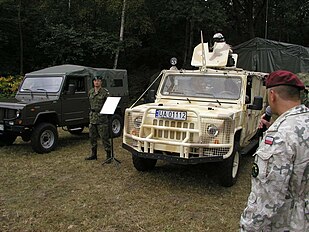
(75, 104)
(255, 87)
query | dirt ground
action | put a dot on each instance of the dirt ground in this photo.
(60, 191)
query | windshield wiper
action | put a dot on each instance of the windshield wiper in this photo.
(218, 102)
(188, 100)
(44, 91)
(29, 91)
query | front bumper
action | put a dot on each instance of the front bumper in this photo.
(12, 129)
(172, 158)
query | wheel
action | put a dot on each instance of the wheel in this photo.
(229, 168)
(76, 130)
(44, 138)
(7, 139)
(143, 164)
(116, 125)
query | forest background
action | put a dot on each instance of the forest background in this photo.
(41, 33)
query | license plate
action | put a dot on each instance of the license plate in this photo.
(1, 127)
(171, 114)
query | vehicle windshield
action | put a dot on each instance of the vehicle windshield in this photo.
(45, 84)
(217, 87)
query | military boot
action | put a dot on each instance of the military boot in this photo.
(93, 155)
(108, 157)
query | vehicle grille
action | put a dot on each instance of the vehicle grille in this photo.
(7, 114)
(176, 131)
(171, 134)
(223, 137)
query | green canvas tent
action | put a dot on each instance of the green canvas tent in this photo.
(265, 55)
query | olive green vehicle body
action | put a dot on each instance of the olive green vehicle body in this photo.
(57, 97)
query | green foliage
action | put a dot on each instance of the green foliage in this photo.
(87, 32)
(9, 85)
(63, 44)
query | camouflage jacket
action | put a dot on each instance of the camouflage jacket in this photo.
(96, 101)
(279, 198)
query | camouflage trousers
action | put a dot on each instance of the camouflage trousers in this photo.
(99, 131)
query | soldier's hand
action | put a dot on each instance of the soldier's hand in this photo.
(264, 122)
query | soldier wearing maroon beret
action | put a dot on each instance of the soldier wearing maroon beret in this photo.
(286, 78)
(279, 198)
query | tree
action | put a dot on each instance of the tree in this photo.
(21, 42)
(121, 33)
(179, 24)
(248, 17)
(289, 21)
(87, 32)
(9, 40)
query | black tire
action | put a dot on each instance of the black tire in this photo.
(143, 164)
(7, 139)
(229, 168)
(76, 130)
(116, 125)
(44, 138)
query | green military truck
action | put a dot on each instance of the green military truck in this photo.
(58, 97)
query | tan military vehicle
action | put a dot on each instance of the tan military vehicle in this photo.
(198, 116)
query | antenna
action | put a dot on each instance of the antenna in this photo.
(203, 51)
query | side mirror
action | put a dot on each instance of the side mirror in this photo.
(257, 103)
(150, 96)
(71, 89)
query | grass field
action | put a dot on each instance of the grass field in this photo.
(60, 191)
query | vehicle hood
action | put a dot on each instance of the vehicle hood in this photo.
(205, 109)
(20, 104)
(12, 104)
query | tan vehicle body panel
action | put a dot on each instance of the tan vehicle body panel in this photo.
(202, 115)
(188, 138)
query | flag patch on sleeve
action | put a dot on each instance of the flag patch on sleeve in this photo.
(269, 140)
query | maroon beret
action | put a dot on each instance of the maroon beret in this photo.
(282, 77)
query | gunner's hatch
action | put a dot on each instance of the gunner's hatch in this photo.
(217, 58)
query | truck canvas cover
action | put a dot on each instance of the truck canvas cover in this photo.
(115, 79)
(265, 55)
(66, 69)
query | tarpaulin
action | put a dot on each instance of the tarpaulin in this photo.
(265, 55)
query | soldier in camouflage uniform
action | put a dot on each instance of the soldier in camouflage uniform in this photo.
(98, 126)
(279, 198)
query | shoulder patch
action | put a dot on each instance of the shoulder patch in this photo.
(255, 170)
(269, 140)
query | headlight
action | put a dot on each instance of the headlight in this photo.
(212, 130)
(138, 122)
(17, 113)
